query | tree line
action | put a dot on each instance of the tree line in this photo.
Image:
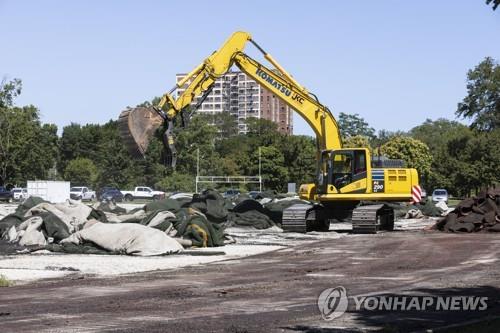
(447, 153)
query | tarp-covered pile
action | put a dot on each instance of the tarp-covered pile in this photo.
(481, 213)
(421, 210)
(77, 228)
(158, 228)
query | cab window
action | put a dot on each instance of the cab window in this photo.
(359, 162)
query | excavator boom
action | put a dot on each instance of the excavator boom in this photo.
(139, 125)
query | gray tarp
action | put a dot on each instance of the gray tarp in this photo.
(199, 221)
(73, 213)
(126, 238)
(212, 204)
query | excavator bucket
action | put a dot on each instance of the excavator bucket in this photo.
(137, 126)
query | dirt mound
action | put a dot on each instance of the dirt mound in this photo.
(481, 213)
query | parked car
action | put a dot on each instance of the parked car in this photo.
(112, 194)
(253, 194)
(19, 194)
(440, 195)
(5, 195)
(104, 189)
(231, 193)
(143, 192)
(81, 193)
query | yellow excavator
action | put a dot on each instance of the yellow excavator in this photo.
(350, 182)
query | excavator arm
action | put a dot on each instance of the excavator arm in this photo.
(139, 125)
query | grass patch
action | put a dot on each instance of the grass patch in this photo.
(4, 282)
(453, 202)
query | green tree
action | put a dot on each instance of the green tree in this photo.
(262, 132)
(81, 171)
(9, 91)
(230, 167)
(80, 141)
(226, 124)
(437, 135)
(115, 166)
(177, 182)
(299, 153)
(357, 141)
(28, 149)
(384, 136)
(482, 103)
(200, 135)
(273, 170)
(237, 152)
(415, 153)
(353, 125)
(473, 160)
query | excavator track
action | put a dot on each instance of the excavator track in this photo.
(295, 218)
(368, 219)
(372, 218)
(303, 218)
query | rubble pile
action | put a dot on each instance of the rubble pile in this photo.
(481, 213)
(158, 228)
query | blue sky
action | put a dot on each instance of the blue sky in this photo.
(395, 63)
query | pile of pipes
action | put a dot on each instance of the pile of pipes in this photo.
(481, 213)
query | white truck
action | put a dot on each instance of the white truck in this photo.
(81, 193)
(143, 192)
(19, 194)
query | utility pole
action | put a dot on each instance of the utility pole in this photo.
(197, 167)
(260, 169)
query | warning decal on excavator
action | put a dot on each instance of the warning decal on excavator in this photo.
(378, 181)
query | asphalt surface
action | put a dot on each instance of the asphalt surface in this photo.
(272, 292)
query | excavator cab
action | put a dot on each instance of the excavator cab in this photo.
(343, 171)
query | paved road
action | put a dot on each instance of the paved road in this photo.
(271, 292)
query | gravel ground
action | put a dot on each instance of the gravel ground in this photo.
(26, 268)
(30, 267)
(272, 292)
(267, 281)
(43, 265)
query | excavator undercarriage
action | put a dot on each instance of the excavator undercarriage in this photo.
(365, 219)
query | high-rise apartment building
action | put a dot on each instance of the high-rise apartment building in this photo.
(274, 109)
(243, 98)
